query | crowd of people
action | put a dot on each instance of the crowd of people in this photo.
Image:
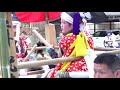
(75, 41)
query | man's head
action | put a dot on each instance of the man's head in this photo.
(23, 35)
(16, 24)
(109, 33)
(107, 66)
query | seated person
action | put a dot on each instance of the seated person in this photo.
(40, 51)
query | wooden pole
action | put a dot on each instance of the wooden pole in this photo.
(4, 51)
(41, 48)
(32, 50)
(113, 52)
(95, 48)
(12, 50)
(22, 65)
(110, 26)
(105, 49)
(94, 27)
(35, 72)
(41, 38)
(46, 18)
(54, 61)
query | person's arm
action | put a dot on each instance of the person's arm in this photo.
(55, 54)
(60, 53)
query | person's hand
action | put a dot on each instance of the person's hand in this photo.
(51, 46)
(62, 74)
(52, 52)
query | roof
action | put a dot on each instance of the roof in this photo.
(113, 16)
(112, 13)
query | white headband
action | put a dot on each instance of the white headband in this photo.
(16, 23)
(67, 17)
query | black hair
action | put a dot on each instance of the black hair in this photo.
(72, 15)
(38, 45)
(22, 49)
(111, 60)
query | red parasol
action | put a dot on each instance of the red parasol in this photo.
(37, 16)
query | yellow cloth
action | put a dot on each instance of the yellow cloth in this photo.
(80, 46)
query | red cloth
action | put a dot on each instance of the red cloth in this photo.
(36, 16)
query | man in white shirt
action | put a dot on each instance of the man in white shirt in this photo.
(110, 40)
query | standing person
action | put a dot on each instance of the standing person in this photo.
(25, 44)
(107, 65)
(110, 40)
(18, 42)
(75, 42)
(22, 45)
(39, 44)
(118, 38)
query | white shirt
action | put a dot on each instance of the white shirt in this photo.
(28, 40)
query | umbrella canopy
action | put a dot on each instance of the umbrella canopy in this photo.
(37, 16)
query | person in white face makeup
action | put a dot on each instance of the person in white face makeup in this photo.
(75, 42)
(107, 65)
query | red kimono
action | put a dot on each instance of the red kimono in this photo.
(77, 65)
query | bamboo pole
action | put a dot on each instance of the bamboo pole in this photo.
(105, 49)
(41, 48)
(4, 51)
(22, 65)
(46, 18)
(53, 61)
(12, 50)
(32, 50)
(35, 72)
(96, 48)
(113, 52)
(41, 38)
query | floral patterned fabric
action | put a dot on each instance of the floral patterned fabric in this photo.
(21, 55)
(78, 65)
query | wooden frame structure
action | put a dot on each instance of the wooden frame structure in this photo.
(9, 65)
